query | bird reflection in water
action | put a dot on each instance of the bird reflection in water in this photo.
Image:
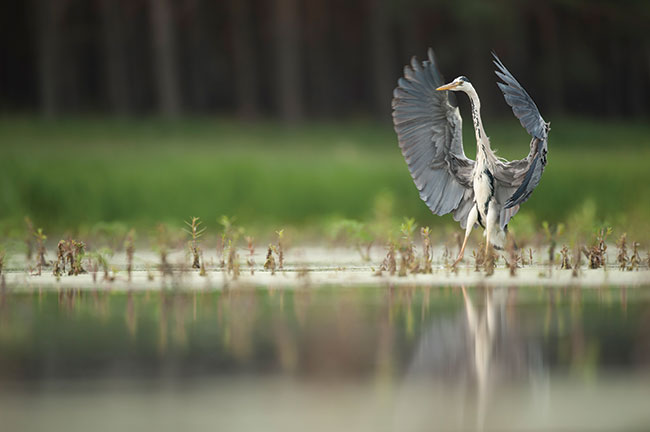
(462, 360)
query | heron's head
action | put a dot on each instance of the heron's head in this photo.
(459, 84)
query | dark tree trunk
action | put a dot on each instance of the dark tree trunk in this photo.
(199, 57)
(635, 65)
(383, 59)
(408, 27)
(164, 53)
(244, 64)
(114, 35)
(318, 56)
(288, 85)
(50, 17)
(614, 103)
(551, 60)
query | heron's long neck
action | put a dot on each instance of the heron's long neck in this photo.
(482, 142)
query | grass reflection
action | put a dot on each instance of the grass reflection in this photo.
(317, 331)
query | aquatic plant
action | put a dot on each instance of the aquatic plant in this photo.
(162, 246)
(69, 255)
(565, 262)
(354, 233)
(101, 258)
(280, 248)
(269, 263)
(635, 259)
(93, 265)
(408, 262)
(512, 262)
(526, 259)
(59, 264)
(233, 261)
(622, 257)
(229, 239)
(596, 252)
(403, 264)
(221, 244)
(490, 262)
(129, 247)
(427, 254)
(202, 271)
(195, 232)
(388, 264)
(40, 249)
(79, 250)
(29, 237)
(479, 256)
(552, 233)
(577, 260)
(251, 252)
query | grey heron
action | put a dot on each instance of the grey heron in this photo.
(487, 191)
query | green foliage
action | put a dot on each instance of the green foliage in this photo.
(583, 220)
(523, 226)
(113, 234)
(407, 228)
(349, 231)
(98, 176)
(40, 235)
(195, 232)
(231, 231)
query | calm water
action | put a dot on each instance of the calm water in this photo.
(327, 358)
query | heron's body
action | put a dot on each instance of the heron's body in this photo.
(487, 191)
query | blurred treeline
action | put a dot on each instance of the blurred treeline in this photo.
(296, 59)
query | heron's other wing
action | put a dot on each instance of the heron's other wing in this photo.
(429, 131)
(521, 103)
(522, 176)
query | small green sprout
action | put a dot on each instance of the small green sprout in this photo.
(195, 232)
(40, 249)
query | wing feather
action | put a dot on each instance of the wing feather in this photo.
(519, 178)
(429, 132)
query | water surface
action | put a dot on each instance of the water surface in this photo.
(327, 358)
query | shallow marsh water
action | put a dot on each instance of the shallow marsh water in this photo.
(327, 358)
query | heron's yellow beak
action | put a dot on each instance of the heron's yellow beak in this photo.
(448, 86)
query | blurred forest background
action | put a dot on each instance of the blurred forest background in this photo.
(278, 111)
(295, 59)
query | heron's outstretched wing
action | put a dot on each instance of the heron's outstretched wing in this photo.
(429, 132)
(520, 177)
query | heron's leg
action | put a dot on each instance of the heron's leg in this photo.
(490, 225)
(471, 220)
